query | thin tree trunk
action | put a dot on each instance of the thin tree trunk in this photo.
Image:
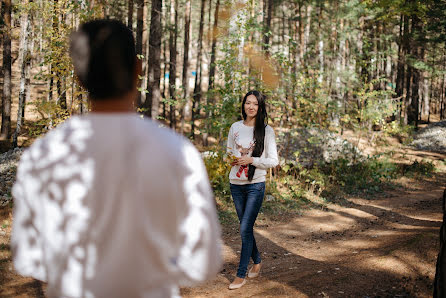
(416, 76)
(164, 88)
(306, 36)
(139, 31)
(210, 94)
(197, 87)
(407, 73)
(173, 59)
(2, 17)
(443, 85)
(426, 94)
(6, 99)
(267, 10)
(321, 47)
(213, 47)
(185, 80)
(61, 83)
(151, 104)
(130, 15)
(24, 58)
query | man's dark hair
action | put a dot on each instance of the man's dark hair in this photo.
(104, 58)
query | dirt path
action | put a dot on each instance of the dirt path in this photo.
(381, 247)
(385, 246)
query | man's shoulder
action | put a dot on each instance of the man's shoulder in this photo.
(172, 145)
(155, 132)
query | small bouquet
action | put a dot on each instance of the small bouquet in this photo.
(230, 157)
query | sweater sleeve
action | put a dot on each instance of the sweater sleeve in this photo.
(26, 240)
(230, 144)
(270, 158)
(200, 253)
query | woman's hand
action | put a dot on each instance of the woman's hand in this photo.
(244, 160)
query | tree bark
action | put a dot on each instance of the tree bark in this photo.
(413, 111)
(151, 104)
(185, 80)
(164, 88)
(2, 17)
(212, 67)
(321, 46)
(130, 15)
(197, 86)
(267, 11)
(173, 59)
(6, 99)
(306, 37)
(25, 60)
(400, 76)
(139, 31)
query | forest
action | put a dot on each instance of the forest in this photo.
(369, 75)
(344, 64)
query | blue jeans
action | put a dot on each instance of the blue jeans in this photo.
(247, 199)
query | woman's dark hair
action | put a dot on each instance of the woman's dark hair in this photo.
(104, 58)
(259, 127)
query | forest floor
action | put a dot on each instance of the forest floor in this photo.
(383, 245)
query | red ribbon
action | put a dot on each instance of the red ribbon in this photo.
(241, 170)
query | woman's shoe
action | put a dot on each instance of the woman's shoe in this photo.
(234, 286)
(254, 274)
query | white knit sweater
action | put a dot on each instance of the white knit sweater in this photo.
(241, 143)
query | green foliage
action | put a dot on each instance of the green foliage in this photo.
(51, 115)
(418, 169)
(364, 176)
(218, 172)
(404, 133)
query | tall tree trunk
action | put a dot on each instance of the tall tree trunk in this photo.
(2, 17)
(400, 76)
(154, 69)
(267, 11)
(173, 59)
(212, 66)
(185, 76)
(25, 60)
(306, 37)
(297, 35)
(321, 46)
(210, 94)
(130, 15)
(6, 99)
(197, 86)
(443, 85)
(416, 76)
(164, 88)
(139, 31)
(426, 93)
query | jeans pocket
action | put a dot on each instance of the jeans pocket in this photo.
(259, 186)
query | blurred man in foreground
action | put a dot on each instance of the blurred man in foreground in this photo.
(108, 204)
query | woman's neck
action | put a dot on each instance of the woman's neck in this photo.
(249, 121)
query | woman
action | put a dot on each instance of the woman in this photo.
(253, 144)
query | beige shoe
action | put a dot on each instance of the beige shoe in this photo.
(234, 286)
(254, 274)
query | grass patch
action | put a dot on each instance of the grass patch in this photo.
(294, 188)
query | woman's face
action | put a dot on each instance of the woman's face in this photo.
(251, 106)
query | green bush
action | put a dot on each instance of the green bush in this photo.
(218, 172)
(363, 176)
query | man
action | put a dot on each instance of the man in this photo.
(108, 204)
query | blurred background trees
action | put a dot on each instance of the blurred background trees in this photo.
(356, 64)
